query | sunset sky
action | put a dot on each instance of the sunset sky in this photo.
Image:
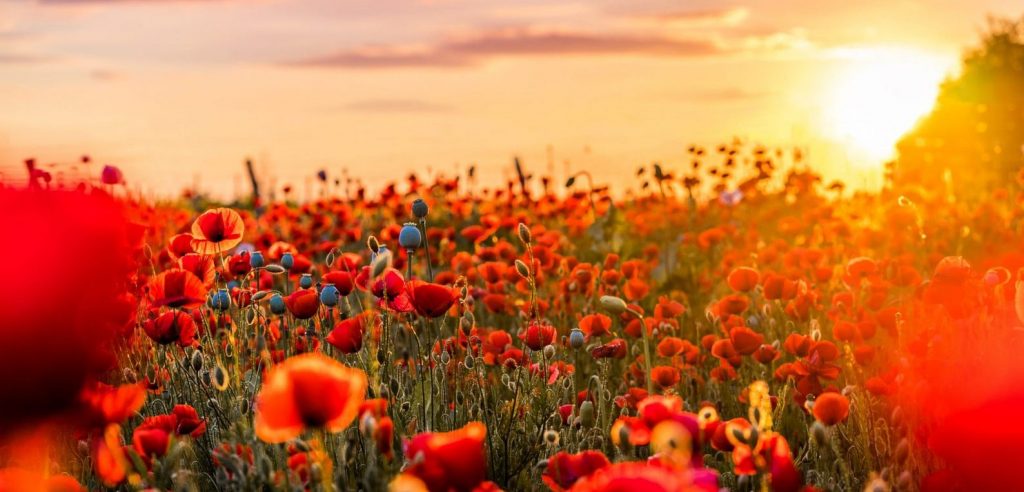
(176, 92)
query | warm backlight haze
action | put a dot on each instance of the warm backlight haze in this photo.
(173, 91)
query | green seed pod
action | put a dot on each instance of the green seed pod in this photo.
(613, 304)
(587, 414)
(819, 434)
(524, 234)
(522, 269)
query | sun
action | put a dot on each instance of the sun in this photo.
(877, 96)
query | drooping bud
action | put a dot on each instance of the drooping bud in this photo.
(524, 234)
(613, 304)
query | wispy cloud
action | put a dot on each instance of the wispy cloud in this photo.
(513, 42)
(23, 58)
(713, 17)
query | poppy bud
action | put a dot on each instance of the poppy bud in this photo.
(256, 259)
(409, 237)
(468, 362)
(373, 244)
(576, 338)
(277, 304)
(614, 305)
(902, 450)
(329, 295)
(197, 361)
(419, 208)
(549, 352)
(819, 434)
(587, 417)
(306, 281)
(522, 269)
(220, 300)
(524, 234)
(287, 261)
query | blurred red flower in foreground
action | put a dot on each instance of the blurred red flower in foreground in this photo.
(65, 273)
(566, 469)
(447, 461)
(308, 390)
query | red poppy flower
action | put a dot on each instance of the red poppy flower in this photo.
(188, 421)
(304, 303)
(566, 469)
(765, 354)
(430, 300)
(347, 336)
(180, 245)
(308, 390)
(665, 376)
(538, 335)
(216, 231)
(595, 325)
(177, 288)
(172, 327)
(831, 408)
(634, 476)
(447, 461)
(341, 280)
(389, 284)
(615, 349)
(743, 279)
(745, 340)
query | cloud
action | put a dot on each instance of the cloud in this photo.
(717, 17)
(396, 106)
(473, 50)
(21, 58)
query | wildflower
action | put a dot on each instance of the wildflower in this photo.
(171, 327)
(303, 304)
(216, 231)
(177, 288)
(538, 335)
(347, 336)
(743, 279)
(307, 391)
(430, 300)
(448, 460)
(564, 469)
(831, 408)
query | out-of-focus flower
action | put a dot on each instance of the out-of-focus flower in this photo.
(308, 391)
(303, 304)
(447, 461)
(831, 408)
(564, 469)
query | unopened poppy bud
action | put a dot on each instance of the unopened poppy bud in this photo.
(197, 361)
(316, 474)
(256, 259)
(467, 322)
(549, 352)
(469, 362)
(277, 305)
(287, 261)
(380, 263)
(522, 269)
(524, 234)
(576, 338)
(419, 208)
(445, 357)
(329, 295)
(409, 237)
(819, 434)
(613, 304)
(373, 244)
(587, 414)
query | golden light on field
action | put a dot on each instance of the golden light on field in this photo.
(878, 95)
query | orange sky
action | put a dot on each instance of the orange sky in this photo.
(176, 92)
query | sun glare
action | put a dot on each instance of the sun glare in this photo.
(878, 96)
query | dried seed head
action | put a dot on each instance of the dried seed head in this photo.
(551, 437)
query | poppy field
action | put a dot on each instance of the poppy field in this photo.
(739, 324)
